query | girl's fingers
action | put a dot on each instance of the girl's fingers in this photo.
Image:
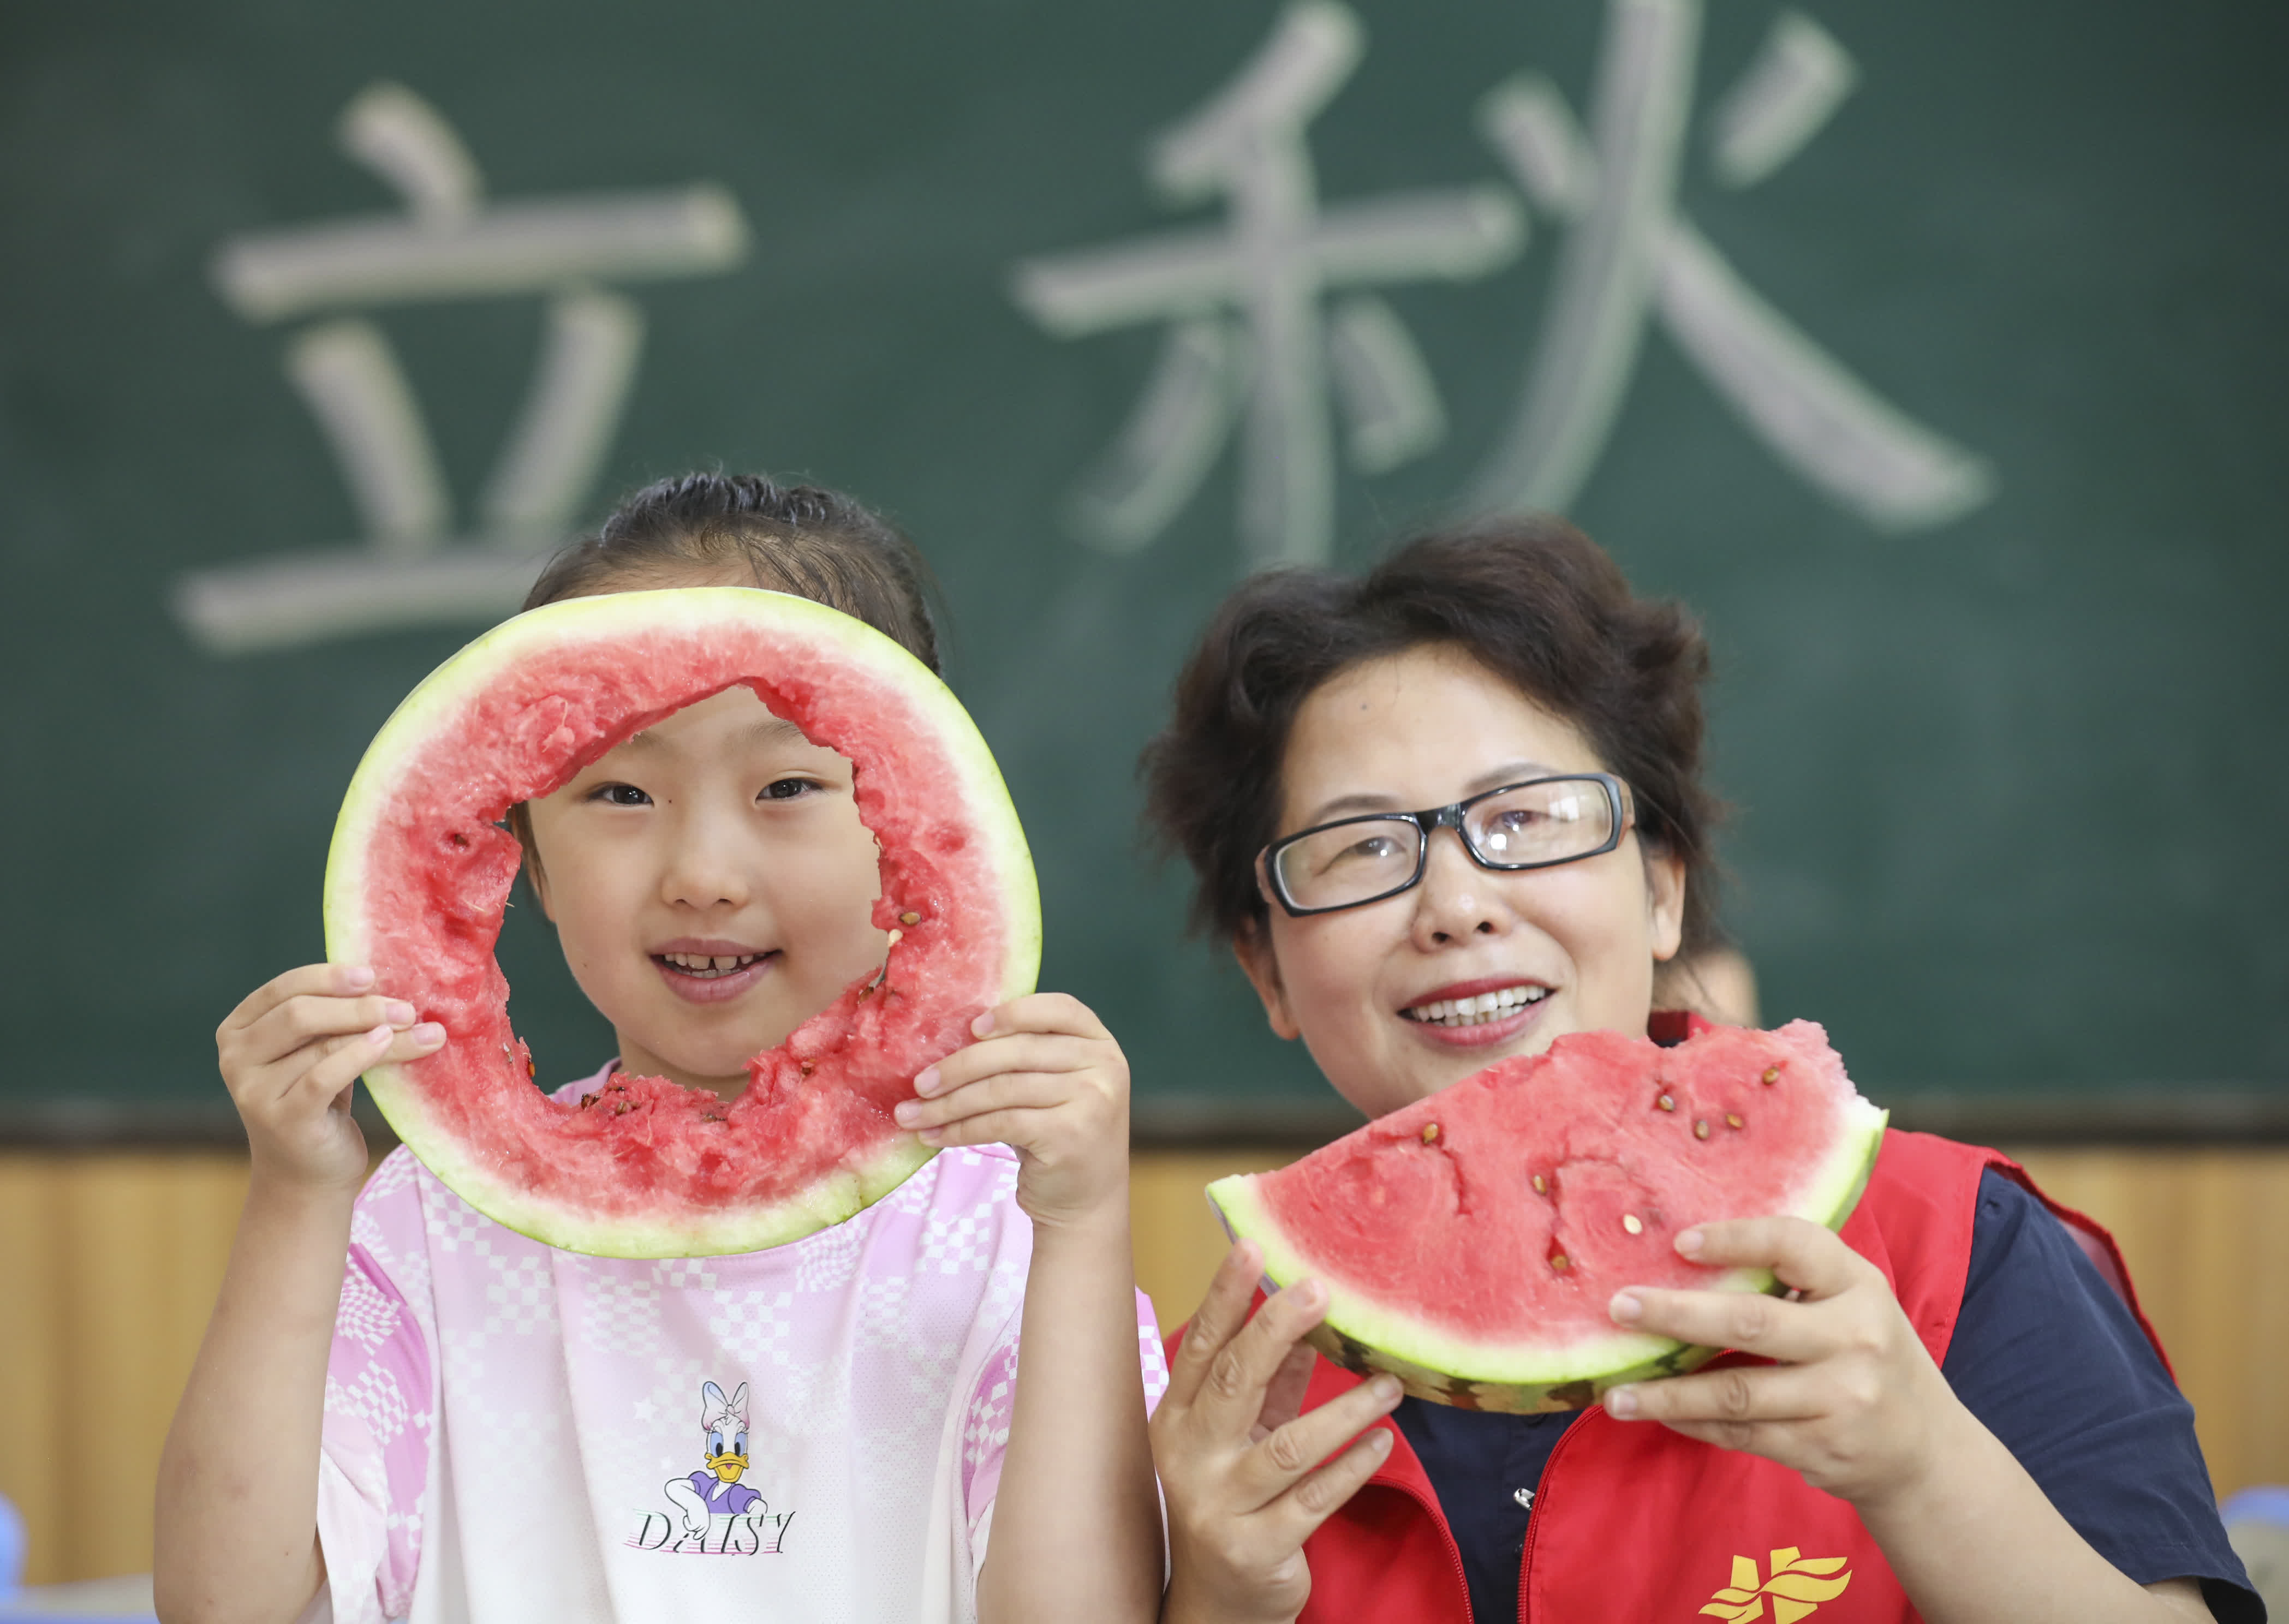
(1215, 1322)
(1041, 1012)
(1012, 1052)
(1025, 1090)
(1806, 1257)
(343, 1060)
(321, 980)
(1009, 1127)
(306, 1017)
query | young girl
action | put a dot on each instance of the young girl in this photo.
(471, 1424)
(1448, 814)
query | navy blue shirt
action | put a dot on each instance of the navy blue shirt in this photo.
(2045, 1354)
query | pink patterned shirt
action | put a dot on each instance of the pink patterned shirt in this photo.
(514, 1431)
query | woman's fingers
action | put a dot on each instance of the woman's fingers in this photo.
(1293, 1449)
(1232, 1392)
(1283, 1394)
(1735, 1400)
(1807, 1258)
(1222, 1313)
(1748, 1321)
(1309, 1504)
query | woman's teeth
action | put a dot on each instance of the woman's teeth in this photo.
(1476, 1011)
(703, 964)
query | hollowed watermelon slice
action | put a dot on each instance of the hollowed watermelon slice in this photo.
(1471, 1242)
(421, 869)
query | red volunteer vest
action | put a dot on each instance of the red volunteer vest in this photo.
(1635, 1524)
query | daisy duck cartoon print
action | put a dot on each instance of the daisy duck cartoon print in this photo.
(720, 1515)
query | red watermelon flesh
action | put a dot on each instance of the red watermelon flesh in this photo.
(1471, 1242)
(421, 870)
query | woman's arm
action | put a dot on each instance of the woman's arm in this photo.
(1076, 1531)
(236, 1531)
(1856, 1405)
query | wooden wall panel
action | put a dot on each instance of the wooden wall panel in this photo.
(118, 1258)
(109, 1263)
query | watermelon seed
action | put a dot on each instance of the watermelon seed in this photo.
(1665, 1102)
(1541, 1186)
(910, 918)
(461, 841)
(1429, 1132)
(1772, 1075)
(807, 1068)
(1731, 1120)
(1630, 1223)
(1700, 1129)
(1557, 1261)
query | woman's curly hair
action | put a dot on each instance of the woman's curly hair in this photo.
(1532, 600)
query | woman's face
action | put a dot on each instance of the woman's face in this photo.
(1573, 946)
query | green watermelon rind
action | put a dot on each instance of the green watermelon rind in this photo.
(1366, 1336)
(434, 705)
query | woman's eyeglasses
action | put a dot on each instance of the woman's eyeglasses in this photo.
(1538, 823)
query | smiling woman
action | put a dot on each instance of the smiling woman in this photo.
(1959, 1414)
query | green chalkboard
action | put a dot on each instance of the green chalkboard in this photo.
(1938, 355)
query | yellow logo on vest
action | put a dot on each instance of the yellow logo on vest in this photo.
(1798, 1584)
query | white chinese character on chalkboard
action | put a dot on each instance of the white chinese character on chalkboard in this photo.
(1630, 252)
(1251, 334)
(415, 565)
(1247, 335)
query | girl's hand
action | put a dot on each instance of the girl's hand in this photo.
(1855, 1402)
(289, 1055)
(1046, 1080)
(1246, 1477)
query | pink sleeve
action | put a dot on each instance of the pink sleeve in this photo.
(380, 1411)
(986, 1427)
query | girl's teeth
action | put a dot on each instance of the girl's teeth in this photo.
(704, 964)
(1476, 1011)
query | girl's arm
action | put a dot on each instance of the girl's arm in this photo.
(1076, 1524)
(1856, 1405)
(236, 1526)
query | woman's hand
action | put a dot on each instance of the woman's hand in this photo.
(289, 1055)
(1856, 1405)
(1046, 1080)
(1853, 1402)
(1246, 1477)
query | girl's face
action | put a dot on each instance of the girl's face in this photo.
(1576, 944)
(712, 887)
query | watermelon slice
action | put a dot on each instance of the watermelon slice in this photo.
(421, 869)
(1470, 1243)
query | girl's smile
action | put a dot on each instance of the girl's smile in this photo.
(709, 972)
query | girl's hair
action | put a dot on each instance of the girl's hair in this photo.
(814, 543)
(1532, 600)
(802, 539)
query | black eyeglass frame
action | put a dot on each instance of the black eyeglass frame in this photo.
(1620, 806)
